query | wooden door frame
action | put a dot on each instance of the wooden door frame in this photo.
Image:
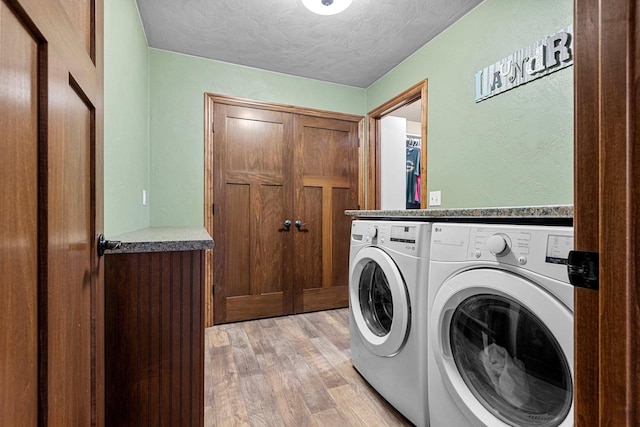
(210, 99)
(607, 210)
(418, 91)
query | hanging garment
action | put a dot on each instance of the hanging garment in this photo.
(413, 172)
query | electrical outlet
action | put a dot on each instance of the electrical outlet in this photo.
(435, 198)
(144, 197)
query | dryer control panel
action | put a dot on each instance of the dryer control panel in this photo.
(536, 248)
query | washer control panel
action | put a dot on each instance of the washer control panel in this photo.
(558, 248)
(531, 247)
(402, 236)
(500, 243)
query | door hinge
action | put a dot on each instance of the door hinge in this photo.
(213, 291)
(213, 209)
(582, 267)
(358, 142)
(213, 127)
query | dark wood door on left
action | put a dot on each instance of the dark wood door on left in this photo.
(51, 298)
(253, 198)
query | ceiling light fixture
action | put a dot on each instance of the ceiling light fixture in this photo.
(326, 7)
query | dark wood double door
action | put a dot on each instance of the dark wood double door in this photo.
(282, 181)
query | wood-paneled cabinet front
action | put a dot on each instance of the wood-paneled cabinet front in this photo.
(154, 339)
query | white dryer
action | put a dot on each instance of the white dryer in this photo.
(501, 326)
(388, 273)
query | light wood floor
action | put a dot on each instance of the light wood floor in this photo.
(289, 371)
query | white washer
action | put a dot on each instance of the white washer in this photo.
(500, 326)
(388, 271)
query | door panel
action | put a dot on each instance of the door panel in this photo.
(252, 195)
(342, 200)
(326, 159)
(51, 99)
(270, 241)
(71, 229)
(237, 248)
(81, 14)
(257, 144)
(18, 222)
(309, 240)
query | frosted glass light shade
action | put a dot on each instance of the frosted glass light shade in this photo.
(317, 6)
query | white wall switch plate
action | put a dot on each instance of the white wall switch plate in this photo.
(435, 198)
(144, 197)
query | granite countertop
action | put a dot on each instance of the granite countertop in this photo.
(163, 239)
(551, 211)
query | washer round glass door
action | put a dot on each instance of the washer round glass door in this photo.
(379, 301)
(505, 349)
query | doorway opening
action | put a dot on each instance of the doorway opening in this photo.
(398, 151)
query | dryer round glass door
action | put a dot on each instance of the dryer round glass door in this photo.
(506, 345)
(379, 301)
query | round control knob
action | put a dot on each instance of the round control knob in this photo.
(372, 232)
(497, 244)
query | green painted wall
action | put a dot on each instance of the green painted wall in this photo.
(177, 84)
(515, 148)
(126, 118)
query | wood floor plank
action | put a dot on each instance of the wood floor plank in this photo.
(260, 401)
(291, 406)
(217, 336)
(228, 404)
(342, 363)
(243, 355)
(312, 389)
(357, 411)
(383, 410)
(209, 358)
(331, 417)
(329, 351)
(341, 327)
(307, 326)
(289, 327)
(289, 371)
(262, 348)
(323, 368)
(267, 323)
(326, 324)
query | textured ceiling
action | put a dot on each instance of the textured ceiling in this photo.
(354, 48)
